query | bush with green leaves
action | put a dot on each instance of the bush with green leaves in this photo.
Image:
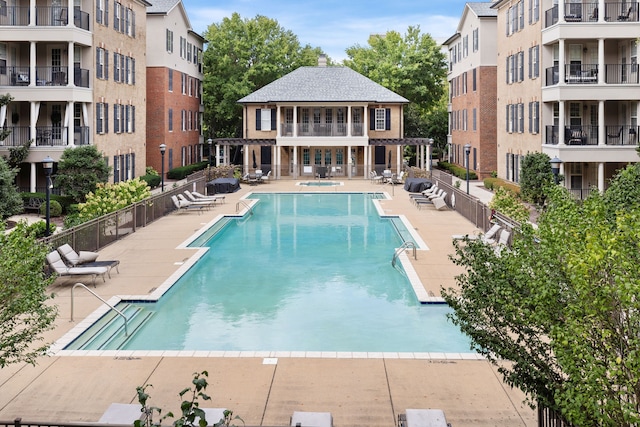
(109, 198)
(535, 175)
(10, 201)
(152, 180)
(508, 203)
(457, 171)
(79, 171)
(25, 312)
(149, 170)
(191, 413)
(39, 228)
(184, 171)
(55, 209)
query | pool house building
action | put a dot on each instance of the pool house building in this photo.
(321, 121)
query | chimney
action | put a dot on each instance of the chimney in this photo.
(322, 60)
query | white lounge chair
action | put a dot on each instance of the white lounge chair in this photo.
(312, 419)
(489, 237)
(204, 203)
(122, 414)
(74, 258)
(59, 267)
(193, 198)
(423, 418)
(265, 178)
(185, 205)
(213, 197)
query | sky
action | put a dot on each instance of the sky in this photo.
(336, 25)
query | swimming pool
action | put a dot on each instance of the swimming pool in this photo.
(300, 272)
(320, 183)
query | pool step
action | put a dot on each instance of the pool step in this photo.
(108, 333)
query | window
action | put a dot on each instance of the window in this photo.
(116, 68)
(475, 40)
(475, 120)
(129, 118)
(130, 23)
(183, 120)
(534, 11)
(464, 82)
(170, 80)
(266, 118)
(465, 46)
(534, 121)
(117, 18)
(265, 121)
(102, 118)
(102, 14)
(521, 118)
(474, 79)
(169, 38)
(116, 118)
(3, 58)
(184, 83)
(102, 63)
(380, 119)
(170, 119)
(534, 61)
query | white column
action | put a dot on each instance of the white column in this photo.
(426, 160)
(245, 160)
(561, 59)
(601, 65)
(601, 177)
(217, 147)
(32, 177)
(32, 13)
(349, 124)
(295, 121)
(70, 60)
(349, 162)
(32, 63)
(560, 10)
(601, 11)
(278, 125)
(399, 158)
(35, 110)
(602, 131)
(294, 161)
(561, 123)
(70, 123)
(276, 154)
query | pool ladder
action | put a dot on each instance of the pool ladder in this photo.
(126, 329)
(245, 204)
(403, 247)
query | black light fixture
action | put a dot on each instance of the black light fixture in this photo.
(163, 148)
(467, 150)
(555, 168)
(210, 143)
(47, 166)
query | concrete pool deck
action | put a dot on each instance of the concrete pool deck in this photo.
(267, 388)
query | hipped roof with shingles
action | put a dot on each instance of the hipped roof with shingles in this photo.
(323, 84)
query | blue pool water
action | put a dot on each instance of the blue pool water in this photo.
(304, 272)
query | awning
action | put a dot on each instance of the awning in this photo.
(243, 141)
(399, 141)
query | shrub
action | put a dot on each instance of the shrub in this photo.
(39, 228)
(64, 201)
(495, 183)
(508, 203)
(183, 171)
(55, 209)
(457, 171)
(111, 197)
(152, 180)
(150, 171)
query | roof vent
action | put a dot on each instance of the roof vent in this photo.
(322, 60)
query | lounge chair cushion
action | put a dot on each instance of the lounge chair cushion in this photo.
(426, 418)
(75, 258)
(121, 413)
(315, 419)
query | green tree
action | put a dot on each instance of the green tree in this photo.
(242, 56)
(109, 198)
(79, 171)
(412, 66)
(561, 308)
(10, 200)
(535, 175)
(24, 312)
(507, 202)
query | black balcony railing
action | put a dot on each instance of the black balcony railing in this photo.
(589, 12)
(45, 76)
(588, 135)
(621, 73)
(588, 74)
(581, 73)
(18, 136)
(552, 76)
(50, 16)
(81, 135)
(51, 76)
(325, 129)
(51, 136)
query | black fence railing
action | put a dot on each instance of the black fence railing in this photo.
(550, 418)
(589, 12)
(588, 135)
(100, 232)
(19, 423)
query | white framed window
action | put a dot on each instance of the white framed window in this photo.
(380, 119)
(102, 63)
(169, 40)
(117, 110)
(116, 68)
(102, 118)
(183, 121)
(130, 22)
(170, 119)
(465, 46)
(265, 119)
(476, 44)
(184, 84)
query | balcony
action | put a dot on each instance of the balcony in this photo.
(46, 16)
(588, 74)
(322, 130)
(588, 135)
(46, 136)
(588, 12)
(45, 76)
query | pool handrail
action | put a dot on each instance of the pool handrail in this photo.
(126, 328)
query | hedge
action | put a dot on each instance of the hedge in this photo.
(152, 180)
(494, 183)
(64, 201)
(457, 171)
(183, 171)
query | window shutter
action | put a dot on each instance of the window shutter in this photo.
(116, 74)
(387, 119)
(122, 164)
(133, 165)
(106, 118)
(133, 118)
(530, 117)
(507, 71)
(273, 119)
(133, 24)
(521, 55)
(507, 118)
(133, 71)
(258, 118)
(530, 9)
(115, 16)
(530, 62)
(106, 12)
(536, 124)
(116, 172)
(106, 64)
(372, 119)
(116, 127)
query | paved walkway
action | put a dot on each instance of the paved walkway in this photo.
(264, 389)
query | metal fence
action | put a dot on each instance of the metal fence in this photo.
(550, 418)
(100, 232)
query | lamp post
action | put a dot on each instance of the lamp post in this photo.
(210, 143)
(163, 148)
(467, 150)
(201, 144)
(555, 168)
(47, 166)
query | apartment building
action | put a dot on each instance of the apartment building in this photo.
(590, 89)
(519, 84)
(472, 89)
(174, 87)
(67, 64)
